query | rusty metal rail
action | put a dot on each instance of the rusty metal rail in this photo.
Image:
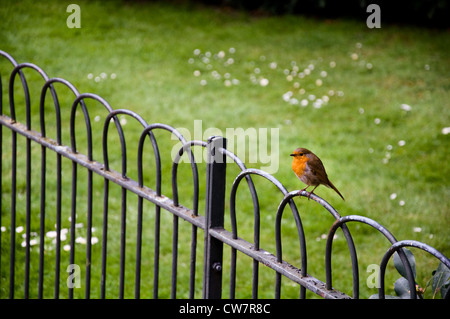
(211, 223)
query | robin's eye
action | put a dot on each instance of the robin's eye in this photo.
(301, 154)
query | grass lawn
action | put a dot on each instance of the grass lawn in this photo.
(371, 103)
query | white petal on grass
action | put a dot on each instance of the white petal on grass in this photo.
(287, 96)
(406, 107)
(263, 82)
(51, 234)
(294, 101)
(80, 240)
(33, 242)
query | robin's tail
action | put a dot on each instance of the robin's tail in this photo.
(333, 187)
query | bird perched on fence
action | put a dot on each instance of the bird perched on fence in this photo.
(310, 170)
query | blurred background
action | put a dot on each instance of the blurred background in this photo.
(373, 104)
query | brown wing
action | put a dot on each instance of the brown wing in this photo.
(318, 170)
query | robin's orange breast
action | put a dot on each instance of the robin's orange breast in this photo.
(299, 166)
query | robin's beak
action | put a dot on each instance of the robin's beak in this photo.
(291, 154)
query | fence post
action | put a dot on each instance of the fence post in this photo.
(214, 214)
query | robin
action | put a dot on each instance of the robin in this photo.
(309, 168)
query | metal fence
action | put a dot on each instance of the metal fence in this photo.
(20, 192)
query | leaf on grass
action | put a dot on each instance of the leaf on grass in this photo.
(399, 265)
(401, 287)
(441, 280)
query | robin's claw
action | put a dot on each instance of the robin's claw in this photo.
(304, 190)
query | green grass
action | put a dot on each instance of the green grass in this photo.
(148, 46)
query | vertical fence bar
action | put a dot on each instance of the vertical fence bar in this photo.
(28, 217)
(123, 230)
(89, 236)
(173, 293)
(137, 280)
(193, 262)
(73, 217)
(12, 259)
(104, 237)
(42, 223)
(156, 251)
(58, 224)
(214, 214)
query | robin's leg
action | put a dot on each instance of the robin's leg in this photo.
(311, 192)
(304, 189)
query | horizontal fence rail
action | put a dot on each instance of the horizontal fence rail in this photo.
(85, 183)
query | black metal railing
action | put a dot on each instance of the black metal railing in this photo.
(84, 168)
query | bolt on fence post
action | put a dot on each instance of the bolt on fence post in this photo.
(214, 215)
